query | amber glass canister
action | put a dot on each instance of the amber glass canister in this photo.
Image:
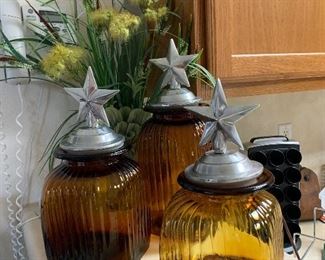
(222, 210)
(168, 141)
(94, 202)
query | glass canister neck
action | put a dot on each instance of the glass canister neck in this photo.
(262, 182)
(78, 157)
(95, 162)
(91, 165)
(174, 117)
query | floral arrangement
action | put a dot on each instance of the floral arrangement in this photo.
(116, 39)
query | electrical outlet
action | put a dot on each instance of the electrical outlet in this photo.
(285, 129)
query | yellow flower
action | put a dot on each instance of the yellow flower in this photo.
(101, 17)
(119, 33)
(121, 24)
(143, 3)
(154, 15)
(162, 11)
(60, 59)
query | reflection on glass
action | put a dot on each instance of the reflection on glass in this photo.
(167, 144)
(95, 209)
(199, 226)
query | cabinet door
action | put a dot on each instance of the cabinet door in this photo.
(276, 43)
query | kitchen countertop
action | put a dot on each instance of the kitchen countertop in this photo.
(315, 252)
(33, 236)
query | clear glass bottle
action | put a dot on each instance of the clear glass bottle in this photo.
(165, 146)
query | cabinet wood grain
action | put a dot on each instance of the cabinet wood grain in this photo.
(261, 46)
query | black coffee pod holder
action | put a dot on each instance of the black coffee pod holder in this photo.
(282, 157)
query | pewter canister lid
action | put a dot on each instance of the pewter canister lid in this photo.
(169, 98)
(170, 91)
(222, 167)
(93, 139)
(94, 134)
(214, 169)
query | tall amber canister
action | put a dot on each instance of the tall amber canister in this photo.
(94, 202)
(222, 210)
(168, 141)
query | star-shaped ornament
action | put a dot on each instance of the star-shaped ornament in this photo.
(173, 67)
(222, 127)
(91, 100)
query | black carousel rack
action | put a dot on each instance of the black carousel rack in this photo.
(282, 157)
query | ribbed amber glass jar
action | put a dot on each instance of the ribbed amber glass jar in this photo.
(166, 145)
(201, 226)
(94, 207)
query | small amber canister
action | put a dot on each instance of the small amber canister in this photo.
(222, 211)
(168, 141)
(94, 202)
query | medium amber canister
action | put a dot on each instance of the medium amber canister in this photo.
(166, 145)
(94, 203)
(222, 210)
(168, 142)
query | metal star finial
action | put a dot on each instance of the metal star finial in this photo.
(91, 100)
(173, 67)
(222, 127)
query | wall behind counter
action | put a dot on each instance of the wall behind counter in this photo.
(306, 112)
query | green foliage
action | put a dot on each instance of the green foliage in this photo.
(127, 121)
(117, 63)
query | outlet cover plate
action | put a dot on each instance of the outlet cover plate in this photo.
(285, 129)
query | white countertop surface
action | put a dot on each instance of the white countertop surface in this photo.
(33, 236)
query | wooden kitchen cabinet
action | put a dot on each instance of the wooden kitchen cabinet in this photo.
(260, 46)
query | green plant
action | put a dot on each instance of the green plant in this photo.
(117, 42)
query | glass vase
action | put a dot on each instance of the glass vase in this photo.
(94, 207)
(201, 226)
(167, 143)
